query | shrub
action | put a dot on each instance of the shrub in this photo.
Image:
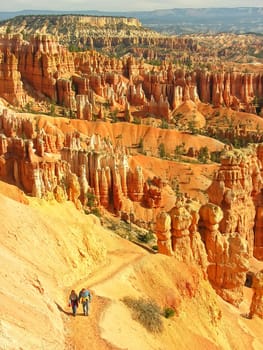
(217, 114)
(140, 144)
(72, 114)
(203, 155)
(73, 48)
(136, 121)
(215, 156)
(91, 198)
(168, 312)
(113, 226)
(154, 62)
(114, 117)
(145, 237)
(164, 124)
(147, 312)
(96, 211)
(192, 126)
(179, 150)
(52, 109)
(161, 149)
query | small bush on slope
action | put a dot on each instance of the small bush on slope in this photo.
(168, 312)
(147, 312)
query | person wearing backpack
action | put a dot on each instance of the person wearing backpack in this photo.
(85, 299)
(73, 301)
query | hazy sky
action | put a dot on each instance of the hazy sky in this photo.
(120, 5)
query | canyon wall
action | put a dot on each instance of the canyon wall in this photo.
(51, 70)
(228, 227)
(47, 163)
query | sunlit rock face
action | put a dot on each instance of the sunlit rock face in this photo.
(236, 188)
(230, 224)
(51, 70)
(47, 163)
(228, 258)
(177, 233)
(11, 86)
(256, 307)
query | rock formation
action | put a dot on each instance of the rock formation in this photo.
(11, 86)
(235, 185)
(152, 193)
(177, 233)
(94, 171)
(256, 307)
(230, 225)
(46, 163)
(51, 70)
(163, 233)
(224, 257)
(135, 181)
(227, 255)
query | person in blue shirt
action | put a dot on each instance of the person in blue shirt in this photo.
(85, 299)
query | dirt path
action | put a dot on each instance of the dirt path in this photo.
(83, 332)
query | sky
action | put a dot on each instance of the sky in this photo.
(120, 5)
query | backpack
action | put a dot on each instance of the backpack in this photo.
(85, 296)
(84, 300)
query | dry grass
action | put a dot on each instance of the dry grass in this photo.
(147, 312)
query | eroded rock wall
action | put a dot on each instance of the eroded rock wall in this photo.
(46, 163)
(236, 188)
(51, 70)
(177, 233)
(230, 224)
(228, 258)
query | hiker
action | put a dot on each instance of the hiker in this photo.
(85, 299)
(73, 302)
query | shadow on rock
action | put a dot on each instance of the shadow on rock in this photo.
(62, 310)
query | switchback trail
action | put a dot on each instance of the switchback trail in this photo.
(83, 332)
